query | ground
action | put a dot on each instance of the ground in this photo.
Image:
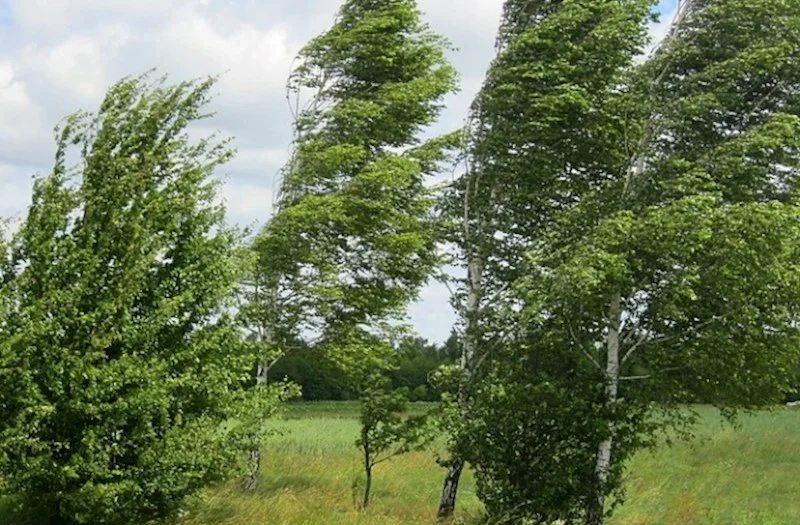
(312, 476)
(744, 476)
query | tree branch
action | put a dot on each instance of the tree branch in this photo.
(577, 343)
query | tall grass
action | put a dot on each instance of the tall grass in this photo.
(748, 475)
(311, 475)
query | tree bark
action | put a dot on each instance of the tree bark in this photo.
(255, 453)
(447, 505)
(255, 466)
(367, 468)
(367, 488)
(596, 514)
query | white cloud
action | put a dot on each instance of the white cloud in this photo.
(76, 64)
(248, 204)
(21, 121)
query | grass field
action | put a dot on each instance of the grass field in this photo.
(312, 476)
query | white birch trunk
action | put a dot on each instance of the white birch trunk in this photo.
(447, 503)
(596, 515)
(469, 348)
(262, 371)
(255, 453)
(636, 168)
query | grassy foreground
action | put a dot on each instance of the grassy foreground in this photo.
(311, 475)
(743, 476)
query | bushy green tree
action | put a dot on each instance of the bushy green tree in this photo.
(673, 275)
(416, 360)
(119, 362)
(354, 231)
(353, 238)
(709, 204)
(537, 140)
(385, 431)
(312, 371)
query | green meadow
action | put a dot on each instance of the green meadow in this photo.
(311, 475)
(744, 475)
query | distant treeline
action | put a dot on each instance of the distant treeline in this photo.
(321, 380)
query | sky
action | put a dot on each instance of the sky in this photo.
(60, 56)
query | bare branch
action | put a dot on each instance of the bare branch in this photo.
(495, 295)
(577, 343)
(592, 359)
(638, 161)
(642, 340)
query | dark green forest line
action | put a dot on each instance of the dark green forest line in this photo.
(416, 360)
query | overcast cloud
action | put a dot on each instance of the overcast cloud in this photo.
(58, 56)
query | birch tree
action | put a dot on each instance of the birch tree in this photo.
(353, 240)
(353, 226)
(535, 139)
(719, 150)
(657, 276)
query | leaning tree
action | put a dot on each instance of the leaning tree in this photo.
(352, 240)
(119, 359)
(672, 276)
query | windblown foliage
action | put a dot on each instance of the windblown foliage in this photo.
(118, 360)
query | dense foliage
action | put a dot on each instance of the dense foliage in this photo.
(544, 125)
(352, 243)
(118, 360)
(414, 360)
(353, 240)
(627, 227)
(663, 268)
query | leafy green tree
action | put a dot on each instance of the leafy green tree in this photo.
(353, 234)
(416, 360)
(536, 138)
(119, 361)
(711, 188)
(267, 317)
(385, 431)
(674, 274)
(451, 348)
(311, 369)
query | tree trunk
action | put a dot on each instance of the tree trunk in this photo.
(255, 465)
(447, 505)
(367, 488)
(255, 453)
(367, 467)
(596, 513)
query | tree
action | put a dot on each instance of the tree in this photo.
(354, 231)
(673, 276)
(536, 137)
(267, 315)
(313, 372)
(385, 431)
(119, 361)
